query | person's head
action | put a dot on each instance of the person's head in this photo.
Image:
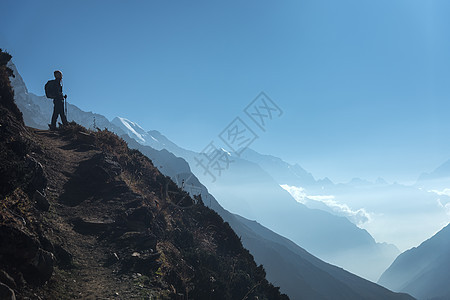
(58, 74)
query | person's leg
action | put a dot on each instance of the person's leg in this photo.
(63, 115)
(59, 107)
(55, 114)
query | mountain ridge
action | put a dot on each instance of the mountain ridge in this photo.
(422, 271)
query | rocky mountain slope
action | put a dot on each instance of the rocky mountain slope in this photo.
(423, 271)
(83, 216)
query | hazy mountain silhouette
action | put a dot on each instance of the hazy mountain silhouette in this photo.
(376, 206)
(424, 271)
(281, 171)
(437, 179)
(298, 273)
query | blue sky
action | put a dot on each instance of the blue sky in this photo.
(364, 85)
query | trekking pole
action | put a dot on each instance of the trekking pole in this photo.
(65, 104)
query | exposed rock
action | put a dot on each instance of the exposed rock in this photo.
(139, 218)
(7, 279)
(24, 252)
(134, 204)
(95, 175)
(38, 180)
(113, 165)
(18, 147)
(145, 263)
(16, 244)
(6, 293)
(63, 257)
(147, 242)
(92, 226)
(111, 259)
(44, 262)
(85, 138)
(46, 244)
(104, 167)
(139, 240)
(41, 201)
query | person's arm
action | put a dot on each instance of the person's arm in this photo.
(59, 93)
(64, 96)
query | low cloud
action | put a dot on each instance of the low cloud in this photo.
(359, 216)
(445, 206)
(444, 192)
(442, 201)
(298, 193)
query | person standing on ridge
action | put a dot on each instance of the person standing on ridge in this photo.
(53, 90)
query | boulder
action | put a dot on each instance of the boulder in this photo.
(38, 180)
(23, 252)
(42, 267)
(145, 263)
(138, 240)
(139, 218)
(17, 245)
(91, 226)
(85, 138)
(63, 257)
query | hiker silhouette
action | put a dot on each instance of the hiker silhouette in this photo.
(53, 90)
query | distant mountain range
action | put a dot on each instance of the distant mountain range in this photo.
(437, 179)
(257, 167)
(247, 189)
(423, 271)
(377, 206)
(297, 272)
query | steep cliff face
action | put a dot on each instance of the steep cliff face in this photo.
(83, 216)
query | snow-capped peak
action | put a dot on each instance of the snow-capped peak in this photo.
(135, 131)
(132, 128)
(227, 152)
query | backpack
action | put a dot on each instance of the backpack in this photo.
(50, 89)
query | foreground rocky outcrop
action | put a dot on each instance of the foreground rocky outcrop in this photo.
(83, 216)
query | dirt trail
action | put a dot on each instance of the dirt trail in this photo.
(88, 279)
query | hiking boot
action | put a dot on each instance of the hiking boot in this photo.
(51, 127)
